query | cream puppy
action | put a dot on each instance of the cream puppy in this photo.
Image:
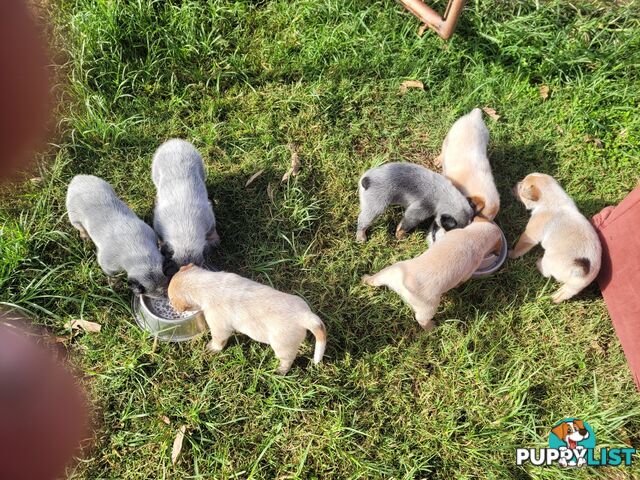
(449, 262)
(572, 250)
(231, 304)
(464, 162)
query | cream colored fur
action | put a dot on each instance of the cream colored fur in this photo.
(449, 262)
(233, 304)
(465, 162)
(569, 240)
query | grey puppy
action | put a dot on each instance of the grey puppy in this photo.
(183, 216)
(124, 242)
(423, 194)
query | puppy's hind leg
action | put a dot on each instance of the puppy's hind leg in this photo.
(83, 232)
(386, 276)
(370, 209)
(286, 351)
(540, 264)
(425, 311)
(414, 215)
(213, 239)
(566, 291)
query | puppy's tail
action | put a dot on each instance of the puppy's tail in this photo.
(581, 267)
(313, 323)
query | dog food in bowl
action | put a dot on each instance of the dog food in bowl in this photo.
(158, 317)
(162, 308)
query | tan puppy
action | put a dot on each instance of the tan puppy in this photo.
(449, 262)
(464, 162)
(572, 250)
(231, 304)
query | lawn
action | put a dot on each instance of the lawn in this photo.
(246, 80)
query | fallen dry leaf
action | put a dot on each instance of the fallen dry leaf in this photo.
(596, 141)
(165, 419)
(36, 180)
(623, 133)
(177, 444)
(544, 92)
(87, 326)
(253, 177)
(295, 164)
(491, 112)
(407, 84)
(422, 29)
(559, 129)
(270, 193)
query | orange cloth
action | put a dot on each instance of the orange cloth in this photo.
(619, 278)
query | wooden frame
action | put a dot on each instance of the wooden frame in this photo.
(443, 26)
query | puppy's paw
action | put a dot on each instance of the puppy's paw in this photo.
(427, 326)
(361, 236)
(366, 279)
(214, 347)
(400, 232)
(213, 239)
(512, 254)
(560, 296)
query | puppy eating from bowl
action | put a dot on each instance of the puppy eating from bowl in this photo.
(449, 262)
(464, 162)
(123, 241)
(183, 216)
(231, 303)
(425, 195)
(572, 250)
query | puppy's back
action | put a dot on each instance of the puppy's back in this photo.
(469, 132)
(453, 259)
(176, 158)
(88, 193)
(392, 180)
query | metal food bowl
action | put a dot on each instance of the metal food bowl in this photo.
(167, 329)
(492, 262)
(489, 265)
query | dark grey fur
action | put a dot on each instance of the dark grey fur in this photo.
(423, 194)
(123, 241)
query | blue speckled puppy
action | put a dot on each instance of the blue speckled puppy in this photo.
(425, 195)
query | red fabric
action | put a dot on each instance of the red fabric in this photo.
(619, 278)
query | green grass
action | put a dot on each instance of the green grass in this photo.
(241, 80)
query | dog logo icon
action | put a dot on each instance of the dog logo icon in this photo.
(573, 437)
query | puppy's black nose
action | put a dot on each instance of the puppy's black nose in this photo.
(583, 431)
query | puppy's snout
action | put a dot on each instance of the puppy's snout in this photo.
(583, 432)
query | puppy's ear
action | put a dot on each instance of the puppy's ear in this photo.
(561, 431)
(531, 193)
(186, 267)
(579, 424)
(136, 287)
(477, 203)
(169, 268)
(448, 222)
(166, 250)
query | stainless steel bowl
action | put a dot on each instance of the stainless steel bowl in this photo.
(492, 263)
(168, 330)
